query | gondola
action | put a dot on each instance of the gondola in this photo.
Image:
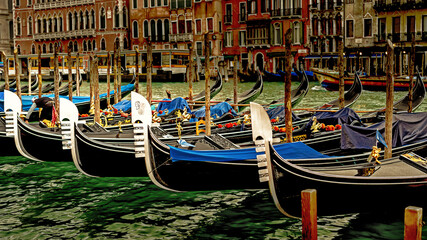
(34, 85)
(12, 84)
(344, 184)
(64, 90)
(6, 142)
(296, 94)
(350, 97)
(251, 94)
(215, 89)
(402, 105)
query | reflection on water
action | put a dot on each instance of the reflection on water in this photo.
(53, 200)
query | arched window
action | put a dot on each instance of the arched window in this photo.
(38, 25)
(181, 24)
(146, 30)
(30, 26)
(84, 46)
(159, 30)
(94, 45)
(76, 21)
(135, 30)
(89, 45)
(87, 20)
(50, 47)
(92, 19)
(125, 17)
(81, 23)
(44, 25)
(44, 48)
(117, 42)
(55, 25)
(49, 25)
(338, 24)
(70, 21)
(76, 47)
(102, 19)
(33, 49)
(18, 49)
(103, 45)
(153, 30)
(166, 28)
(60, 24)
(125, 43)
(116, 17)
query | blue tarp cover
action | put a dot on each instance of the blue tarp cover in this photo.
(296, 150)
(177, 103)
(407, 128)
(26, 100)
(123, 105)
(280, 112)
(343, 116)
(216, 111)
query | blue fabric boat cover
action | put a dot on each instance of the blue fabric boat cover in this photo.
(216, 111)
(280, 112)
(343, 116)
(26, 100)
(177, 103)
(295, 150)
(124, 105)
(407, 128)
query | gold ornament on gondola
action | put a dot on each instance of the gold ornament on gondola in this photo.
(179, 128)
(185, 116)
(156, 118)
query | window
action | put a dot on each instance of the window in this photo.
(103, 44)
(297, 34)
(228, 39)
(70, 22)
(87, 23)
(165, 2)
(125, 18)
(188, 3)
(228, 13)
(349, 29)
(396, 29)
(277, 34)
(242, 12)
(81, 22)
(159, 30)
(84, 46)
(198, 26)
(166, 28)
(265, 6)
(153, 30)
(174, 27)
(146, 30)
(181, 24)
(367, 27)
(210, 25)
(94, 45)
(92, 19)
(252, 6)
(146, 3)
(76, 20)
(159, 3)
(349, 1)
(17, 3)
(424, 30)
(33, 49)
(152, 3)
(242, 38)
(134, 4)
(76, 47)
(189, 26)
(199, 48)
(18, 26)
(102, 19)
(29, 2)
(30, 26)
(60, 24)
(116, 17)
(135, 31)
(89, 45)
(410, 27)
(315, 27)
(381, 29)
(338, 25)
(331, 26)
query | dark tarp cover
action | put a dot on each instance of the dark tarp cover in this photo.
(407, 128)
(177, 103)
(343, 116)
(295, 150)
(216, 111)
(280, 112)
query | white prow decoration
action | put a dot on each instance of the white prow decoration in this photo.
(12, 108)
(141, 119)
(70, 112)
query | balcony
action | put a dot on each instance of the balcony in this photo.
(288, 12)
(396, 5)
(182, 37)
(261, 42)
(228, 19)
(62, 4)
(65, 35)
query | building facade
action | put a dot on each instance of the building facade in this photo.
(6, 26)
(82, 25)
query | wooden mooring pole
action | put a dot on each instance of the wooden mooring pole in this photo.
(137, 70)
(108, 77)
(116, 95)
(389, 100)
(235, 82)
(119, 77)
(207, 87)
(78, 74)
(56, 80)
(149, 71)
(309, 214)
(17, 74)
(70, 74)
(411, 72)
(341, 72)
(29, 76)
(5, 70)
(39, 66)
(191, 71)
(413, 223)
(95, 82)
(288, 83)
(91, 92)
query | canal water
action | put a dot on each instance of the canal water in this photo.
(41, 200)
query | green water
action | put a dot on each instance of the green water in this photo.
(54, 201)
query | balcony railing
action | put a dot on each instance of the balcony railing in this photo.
(228, 19)
(396, 5)
(182, 37)
(401, 37)
(62, 4)
(65, 35)
(287, 12)
(258, 42)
